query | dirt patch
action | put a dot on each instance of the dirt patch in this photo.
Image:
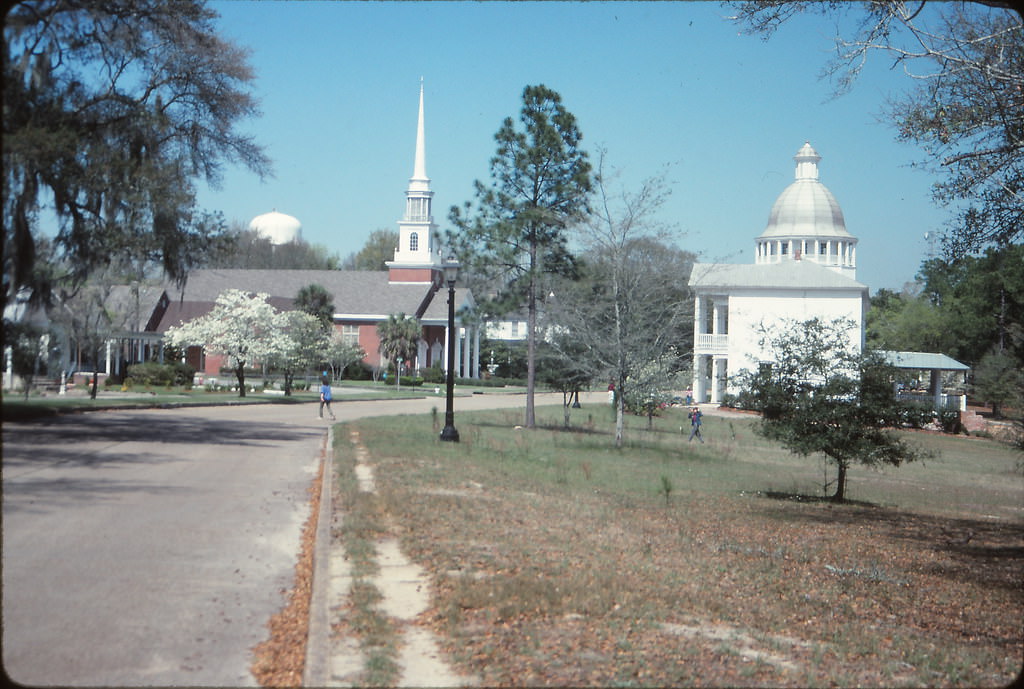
(404, 589)
(745, 646)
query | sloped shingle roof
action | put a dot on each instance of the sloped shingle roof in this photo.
(356, 293)
(788, 274)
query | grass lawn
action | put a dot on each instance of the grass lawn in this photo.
(557, 560)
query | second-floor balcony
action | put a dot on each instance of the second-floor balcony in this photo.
(711, 344)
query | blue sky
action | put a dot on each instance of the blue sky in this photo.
(655, 84)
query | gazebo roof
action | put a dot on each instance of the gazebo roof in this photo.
(924, 361)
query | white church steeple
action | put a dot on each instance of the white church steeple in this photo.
(415, 257)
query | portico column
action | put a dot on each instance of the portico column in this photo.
(476, 352)
(466, 373)
(717, 373)
(457, 349)
(699, 386)
(717, 321)
(447, 343)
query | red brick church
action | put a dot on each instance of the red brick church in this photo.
(413, 285)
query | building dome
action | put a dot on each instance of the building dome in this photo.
(279, 228)
(806, 208)
(806, 222)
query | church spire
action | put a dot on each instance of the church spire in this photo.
(415, 257)
(419, 180)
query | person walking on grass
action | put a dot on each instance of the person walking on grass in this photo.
(695, 423)
(325, 396)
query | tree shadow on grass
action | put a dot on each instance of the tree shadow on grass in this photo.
(812, 499)
(985, 551)
(556, 427)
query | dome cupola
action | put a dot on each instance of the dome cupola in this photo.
(806, 222)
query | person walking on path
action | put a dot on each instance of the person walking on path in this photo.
(695, 423)
(325, 397)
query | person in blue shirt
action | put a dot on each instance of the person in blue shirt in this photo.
(325, 397)
(695, 422)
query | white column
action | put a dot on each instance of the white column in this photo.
(717, 373)
(699, 379)
(421, 354)
(476, 352)
(718, 321)
(466, 373)
(457, 345)
(447, 343)
(698, 318)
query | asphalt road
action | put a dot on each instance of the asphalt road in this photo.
(151, 547)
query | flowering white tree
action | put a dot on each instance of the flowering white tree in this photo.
(242, 326)
(300, 342)
(340, 354)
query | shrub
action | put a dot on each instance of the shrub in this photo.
(152, 373)
(357, 371)
(949, 420)
(433, 374)
(492, 382)
(916, 414)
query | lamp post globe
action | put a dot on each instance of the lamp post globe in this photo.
(449, 433)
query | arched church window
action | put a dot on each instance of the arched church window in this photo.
(414, 241)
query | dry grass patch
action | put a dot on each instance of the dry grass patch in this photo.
(558, 561)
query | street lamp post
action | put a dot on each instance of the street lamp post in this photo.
(448, 433)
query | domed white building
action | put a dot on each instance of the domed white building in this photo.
(807, 223)
(805, 267)
(279, 228)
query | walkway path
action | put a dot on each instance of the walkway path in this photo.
(150, 547)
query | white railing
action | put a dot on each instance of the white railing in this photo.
(951, 402)
(712, 344)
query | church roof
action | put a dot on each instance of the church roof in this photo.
(801, 275)
(357, 294)
(806, 208)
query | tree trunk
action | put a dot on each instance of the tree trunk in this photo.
(95, 375)
(620, 414)
(840, 494)
(287, 383)
(240, 374)
(531, 340)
